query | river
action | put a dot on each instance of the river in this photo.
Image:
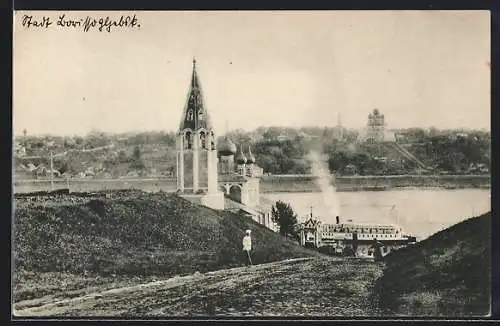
(420, 212)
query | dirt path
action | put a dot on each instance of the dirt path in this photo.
(299, 287)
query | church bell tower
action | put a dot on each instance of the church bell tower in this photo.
(196, 145)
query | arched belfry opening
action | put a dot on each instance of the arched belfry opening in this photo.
(203, 140)
(196, 150)
(188, 140)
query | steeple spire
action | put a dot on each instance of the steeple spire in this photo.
(194, 78)
(196, 150)
(195, 116)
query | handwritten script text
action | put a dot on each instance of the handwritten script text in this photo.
(101, 24)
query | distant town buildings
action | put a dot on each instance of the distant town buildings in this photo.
(459, 135)
(19, 149)
(283, 138)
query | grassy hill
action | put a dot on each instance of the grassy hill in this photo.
(70, 242)
(448, 274)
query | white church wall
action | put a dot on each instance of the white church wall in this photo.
(213, 200)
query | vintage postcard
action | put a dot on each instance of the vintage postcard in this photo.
(222, 164)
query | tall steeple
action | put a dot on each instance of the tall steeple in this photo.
(196, 147)
(339, 130)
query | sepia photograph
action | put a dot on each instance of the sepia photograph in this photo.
(251, 164)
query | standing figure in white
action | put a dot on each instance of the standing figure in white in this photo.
(247, 247)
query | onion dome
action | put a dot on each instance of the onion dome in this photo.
(226, 147)
(250, 157)
(240, 157)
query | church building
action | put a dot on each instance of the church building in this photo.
(220, 176)
(376, 130)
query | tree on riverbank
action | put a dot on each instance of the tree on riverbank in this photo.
(138, 162)
(286, 219)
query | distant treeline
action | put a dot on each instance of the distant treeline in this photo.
(277, 151)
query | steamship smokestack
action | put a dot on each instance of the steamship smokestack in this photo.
(338, 219)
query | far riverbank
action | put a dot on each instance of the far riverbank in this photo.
(307, 183)
(269, 184)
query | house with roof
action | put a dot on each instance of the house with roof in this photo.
(41, 171)
(220, 176)
(22, 172)
(19, 149)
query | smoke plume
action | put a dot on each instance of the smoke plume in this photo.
(324, 180)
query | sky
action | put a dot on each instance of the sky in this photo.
(420, 69)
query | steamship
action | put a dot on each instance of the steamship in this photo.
(354, 238)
